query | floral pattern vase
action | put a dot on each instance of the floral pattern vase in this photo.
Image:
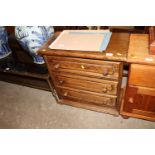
(4, 46)
(32, 38)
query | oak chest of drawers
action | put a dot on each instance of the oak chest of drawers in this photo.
(90, 80)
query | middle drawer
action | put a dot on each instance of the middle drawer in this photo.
(85, 83)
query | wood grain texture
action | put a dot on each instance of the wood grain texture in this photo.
(101, 69)
(142, 75)
(104, 86)
(139, 50)
(152, 40)
(90, 80)
(139, 103)
(87, 97)
(118, 46)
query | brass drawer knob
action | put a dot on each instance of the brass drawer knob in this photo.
(110, 88)
(105, 72)
(61, 81)
(82, 66)
(56, 66)
(66, 94)
(111, 72)
(131, 100)
(104, 90)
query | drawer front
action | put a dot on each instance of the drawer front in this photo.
(86, 97)
(92, 68)
(142, 75)
(140, 101)
(104, 86)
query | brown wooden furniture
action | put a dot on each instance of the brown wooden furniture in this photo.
(139, 100)
(129, 29)
(90, 80)
(152, 40)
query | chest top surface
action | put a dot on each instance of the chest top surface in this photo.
(139, 50)
(117, 49)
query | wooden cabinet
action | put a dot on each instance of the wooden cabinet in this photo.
(140, 102)
(139, 99)
(92, 80)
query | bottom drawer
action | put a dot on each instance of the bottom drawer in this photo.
(140, 102)
(83, 96)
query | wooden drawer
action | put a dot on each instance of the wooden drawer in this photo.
(86, 67)
(142, 75)
(139, 102)
(85, 83)
(86, 97)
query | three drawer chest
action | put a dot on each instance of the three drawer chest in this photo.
(90, 80)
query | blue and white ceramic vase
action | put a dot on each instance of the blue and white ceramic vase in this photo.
(32, 38)
(4, 46)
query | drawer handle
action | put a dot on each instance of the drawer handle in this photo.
(56, 66)
(105, 72)
(82, 66)
(61, 81)
(66, 94)
(104, 90)
(130, 100)
(110, 88)
(111, 72)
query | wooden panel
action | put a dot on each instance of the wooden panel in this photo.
(142, 75)
(104, 86)
(85, 67)
(152, 40)
(139, 50)
(139, 103)
(85, 96)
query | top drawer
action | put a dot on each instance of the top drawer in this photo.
(87, 67)
(142, 75)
